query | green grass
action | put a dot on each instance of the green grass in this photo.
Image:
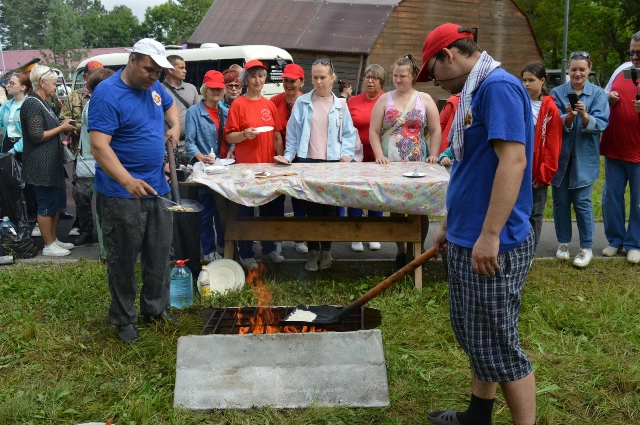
(61, 362)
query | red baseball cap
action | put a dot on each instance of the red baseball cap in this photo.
(293, 71)
(214, 80)
(91, 65)
(436, 40)
(253, 63)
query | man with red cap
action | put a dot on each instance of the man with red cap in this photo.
(486, 232)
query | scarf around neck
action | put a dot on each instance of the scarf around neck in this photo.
(485, 65)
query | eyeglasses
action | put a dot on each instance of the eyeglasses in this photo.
(323, 61)
(234, 86)
(433, 76)
(634, 53)
(583, 54)
(11, 83)
(370, 78)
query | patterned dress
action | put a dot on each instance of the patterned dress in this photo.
(407, 142)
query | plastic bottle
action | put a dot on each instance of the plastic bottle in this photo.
(204, 284)
(181, 286)
(7, 227)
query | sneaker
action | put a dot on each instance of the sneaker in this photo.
(36, 231)
(300, 247)
(66, 216)
(274, 256)
(357, 246)
(312, 262)
(128, 334)
(249, 263)
(279, 247)
(563, 252)
(213, 256)
(6, 259)
(74, 231)
(83, 239)
(325, 260)
(584, 257)
(64, 245)
(374, 246)
(54, 250)
(633, 256)
(610, 251)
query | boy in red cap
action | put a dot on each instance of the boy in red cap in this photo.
(486, 232)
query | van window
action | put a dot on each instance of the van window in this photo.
(196, 70)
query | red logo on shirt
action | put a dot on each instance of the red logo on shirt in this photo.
(156, 98)
(266, 115)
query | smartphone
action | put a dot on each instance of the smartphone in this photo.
(573, 99)
(72, 122)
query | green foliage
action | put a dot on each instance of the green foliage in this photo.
(61, 363)
(63, 35)
(174, 22)
(22, 23)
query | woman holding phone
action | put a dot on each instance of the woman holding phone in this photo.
(584, 111)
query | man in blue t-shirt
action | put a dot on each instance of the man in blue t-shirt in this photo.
(486, 232)
(126, 128)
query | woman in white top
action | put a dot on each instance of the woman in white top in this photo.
(397, 129)
(18, 86)
(320, 130)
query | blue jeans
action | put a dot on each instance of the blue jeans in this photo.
(270, 209)
(537, 213)
(617, 174)
(580, 197)
(211, 226)
(357, 212)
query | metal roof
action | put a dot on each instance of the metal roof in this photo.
(325, 26)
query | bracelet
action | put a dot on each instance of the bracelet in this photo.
(243, 133)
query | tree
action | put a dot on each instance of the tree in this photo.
(174, 22)
(21, 23)
(116, 28)
(63, 35)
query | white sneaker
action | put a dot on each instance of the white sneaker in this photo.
(610, 251)
(374, 246)
(357, 246)
(563, 252)
(36, 231)
(54, 250)
(74, 231)
(274, 256)
(584, 257)
(279, 247)
(64, 245)
(633, 256)
(312, 262)
(6, 259)
(249, 263)
(212, 257)
(300, 247)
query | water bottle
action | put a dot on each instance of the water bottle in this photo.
(7, 227)
(204, 283)
(181, 286)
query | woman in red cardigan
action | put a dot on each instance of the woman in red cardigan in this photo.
(547, 140)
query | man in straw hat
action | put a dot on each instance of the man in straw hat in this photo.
(486, 232)
(126, 127)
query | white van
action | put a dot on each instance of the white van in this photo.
(209, 56)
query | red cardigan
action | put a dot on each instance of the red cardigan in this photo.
(546, 142)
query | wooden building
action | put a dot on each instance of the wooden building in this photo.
(356, 33)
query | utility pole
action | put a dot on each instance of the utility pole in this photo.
(563, 75)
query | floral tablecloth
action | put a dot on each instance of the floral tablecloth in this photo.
(349, 184)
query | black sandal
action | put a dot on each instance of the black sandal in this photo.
(448, 417)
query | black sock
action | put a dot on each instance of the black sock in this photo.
(479, 412)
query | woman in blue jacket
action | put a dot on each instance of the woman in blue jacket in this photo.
(579, 161)
(320, 130)
(203, 134)
(18, 86)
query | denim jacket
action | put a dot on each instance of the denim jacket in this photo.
(200, 132)
(6, 109)
(341, 139)
(581, 145)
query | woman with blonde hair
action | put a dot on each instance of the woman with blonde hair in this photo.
(398, 123)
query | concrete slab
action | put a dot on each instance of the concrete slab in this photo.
(281, 370)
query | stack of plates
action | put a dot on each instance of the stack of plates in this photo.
(225, 275)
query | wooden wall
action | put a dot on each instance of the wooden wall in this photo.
(503, 31)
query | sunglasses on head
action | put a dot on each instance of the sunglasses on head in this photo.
(323, 61)
(583, 54)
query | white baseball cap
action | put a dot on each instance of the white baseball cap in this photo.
(150, 47)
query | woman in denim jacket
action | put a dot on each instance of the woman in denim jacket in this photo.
(579, 161)
(18, 86)
(320, 130)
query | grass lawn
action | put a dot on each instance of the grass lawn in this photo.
(61, 362)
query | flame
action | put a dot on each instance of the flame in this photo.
(265, 316)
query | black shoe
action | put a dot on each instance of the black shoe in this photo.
(128, 333)
(401, 260)
(165, 316)
(83, 239)
(65, 216)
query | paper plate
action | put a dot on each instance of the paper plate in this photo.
(263, 129)
(215, 169)
(415, 175)
(280, 161)
(225, 275)
(227, 161)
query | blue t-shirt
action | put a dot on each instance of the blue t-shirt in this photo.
(134, 119)
(501, 110)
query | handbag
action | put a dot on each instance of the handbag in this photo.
(67, 155)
